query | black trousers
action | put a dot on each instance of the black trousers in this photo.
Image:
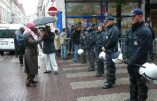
(99, 64)
(111, 69)
(138, 84)
(21, 53)
(91, 56)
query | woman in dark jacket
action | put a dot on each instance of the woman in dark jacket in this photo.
(49, 51)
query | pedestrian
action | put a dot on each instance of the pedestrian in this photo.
(76, 42)
(16, 45)
(150, 53)
(110, 46)
(137, 43)
(20, 43)
(63, 43)
(49, 51)
(31, 53)
(57, 43)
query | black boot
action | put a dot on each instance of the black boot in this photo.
(107, 85)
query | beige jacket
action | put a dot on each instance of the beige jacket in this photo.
(63, 38)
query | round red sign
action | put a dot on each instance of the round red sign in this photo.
(52, 11)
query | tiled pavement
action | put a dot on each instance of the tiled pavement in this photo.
(73, 83)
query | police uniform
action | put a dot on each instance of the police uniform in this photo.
(90, 44)
(98, 48)
(110, 43)
(136, 48)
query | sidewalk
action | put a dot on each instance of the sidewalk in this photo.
(73, 83)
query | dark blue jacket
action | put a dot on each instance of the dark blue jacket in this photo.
(110, 39)
(20, 38)
(91, 38)
(99, 41)
(137, 43)
(48, 43)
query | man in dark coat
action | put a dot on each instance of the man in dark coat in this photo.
(31, 53)
(21, 46)
(98, 48)
(49, 51)
(110, 46)
(137, 44)
(76, 42)
(90, 42)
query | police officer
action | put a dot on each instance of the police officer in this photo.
(90, 44)
(150, 53)
(137, 43)
(110, 46)
(98, 48)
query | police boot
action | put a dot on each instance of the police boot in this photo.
(107, 85)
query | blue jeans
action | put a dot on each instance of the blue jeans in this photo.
(63, 51)
(76, 48)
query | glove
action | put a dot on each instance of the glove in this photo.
(141, 70)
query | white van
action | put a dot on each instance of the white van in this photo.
(7, 34)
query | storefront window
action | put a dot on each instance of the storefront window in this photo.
(112, 8)
(128, 7)
(126, 23)
(83, 9)
(83, 21)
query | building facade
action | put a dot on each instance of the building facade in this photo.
(12, 12)
(87, 12)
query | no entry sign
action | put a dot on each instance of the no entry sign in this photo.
(52, 11)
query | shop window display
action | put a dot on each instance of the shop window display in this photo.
(83, 9)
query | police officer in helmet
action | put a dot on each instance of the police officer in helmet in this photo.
(98, 49)
(137, 42)
(90, 44)
(110, 46)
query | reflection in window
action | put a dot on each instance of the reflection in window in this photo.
(126, 23)
(112, 8)
(83, 9)
(128, 7)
